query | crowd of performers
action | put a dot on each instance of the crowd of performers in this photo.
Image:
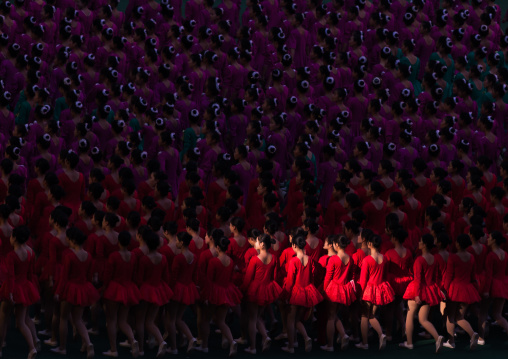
(296, 166)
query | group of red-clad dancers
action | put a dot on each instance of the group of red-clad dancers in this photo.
(297, 163)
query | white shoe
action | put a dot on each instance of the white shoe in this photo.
(250, 351)
(266, 344)
(481, 341)
(344, 342)
(308, 345)
(447, 344)
(288, 350)
(439, 344)
(162, 350)
(233, 348)
(326, 348)
(362, 346)
(192, 345)
(382, 342)
(406, 345)
(474, 341)
(125, 344)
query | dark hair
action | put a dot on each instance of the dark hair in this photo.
(428, 241)
(267, 240)
(341, 241)
(21, 234)
(75, 235)
(464, 241)
(124, 238)
(151, 239)
(375, 240)
(185, 238)
(222, 243)
(498, 238)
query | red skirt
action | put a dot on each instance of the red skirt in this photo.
(431, 294)
(463, 293)
(380, 294)
(220, 295)
(499, 288)
(185, 293)
(156, 294)
(305, 296)
(340, 293)
(24, 292)
(399, 284)
(126, 293)
(264, 294)
(81, 294)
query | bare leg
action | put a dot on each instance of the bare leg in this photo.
(171, 310)
(413, 308)
(252, 310)
(291, 325)
(77, 317)
(123, 324)
(220, 316)
(151, 314)
(464, 324)
(423, 317)
(497, 312)
(181, 325)
(112, 320)
(65, 311)
(23, 328)
(205, 325)
(330, 324)
(140, 312)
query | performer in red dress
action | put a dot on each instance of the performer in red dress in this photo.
(462, 290)
(300, 292)
(376, 289)
(18, 291)
(339, 290)
(496, 276)
(153, 281)
(220, 292)
(261, 290)
(399, 274)
(120, 293)
(185, 292)
(423, 292)
(75, 290)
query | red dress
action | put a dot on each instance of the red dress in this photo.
(441, 270)
(182, 282)
(153, 281)
(337, 284)
(197, 251)
(375, 217)
(358, 258)
(459, 280)
(74, 191)
(20, 279)
(314, 253)
(104, 250)
(479, 261)
(425, 282)
(74, 285)
(496, 276)
(118, 280)
(219, 288)
(399, 271)
(166, 251)
(299, 287)
(373, 280)
(259, 281)
(202, 269)
(55, 263)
